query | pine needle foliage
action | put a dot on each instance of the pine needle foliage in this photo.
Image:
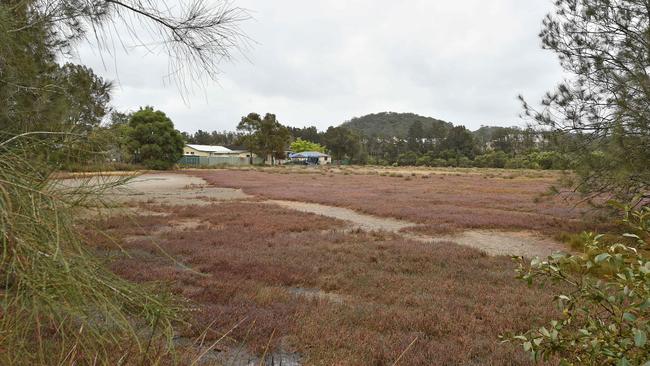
(58, 304)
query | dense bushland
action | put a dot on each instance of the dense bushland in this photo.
(425, 142)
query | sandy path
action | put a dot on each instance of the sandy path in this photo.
(356, 219)
(492, 242)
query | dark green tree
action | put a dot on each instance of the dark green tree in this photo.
(461, 141)
(118, 118)
(605, 105)
(265, 137)
(36, 93)
(306, 133)
(85, 94)
(202, 138)
(342, 142)
(415, 136)
(152, 139)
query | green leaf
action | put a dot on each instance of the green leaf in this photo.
(629, 317)
(602, 257)
(544, 332)
(623, 362)
(640, 337)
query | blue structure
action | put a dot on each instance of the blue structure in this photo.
(311, 157)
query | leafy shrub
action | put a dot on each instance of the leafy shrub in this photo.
(493, 159)
(424, 160)
(300, 145)
(153, 141)
(407, 159)
(464, 162)
(606, 307)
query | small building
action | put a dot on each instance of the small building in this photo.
(311, 158)
(206, 150)
(212, 155)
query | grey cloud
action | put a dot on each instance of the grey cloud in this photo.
(323, 62)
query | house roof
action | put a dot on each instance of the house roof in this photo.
(210, 148)
(237, 148)
(308, 154)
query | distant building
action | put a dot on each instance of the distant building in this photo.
(212, 155)
(209, 155)
(213, 150)
(311, 157)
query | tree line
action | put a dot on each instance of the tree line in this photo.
(440, 146)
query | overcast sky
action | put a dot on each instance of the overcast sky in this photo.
(323, 62)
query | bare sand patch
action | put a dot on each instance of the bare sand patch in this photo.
(159, 188)
(175, 189)
(519, 243)
(316, 294)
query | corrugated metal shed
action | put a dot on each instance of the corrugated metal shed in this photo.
(210, 148)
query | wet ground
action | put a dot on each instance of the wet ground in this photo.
(181, 189)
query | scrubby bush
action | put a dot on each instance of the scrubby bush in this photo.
(550, 160)
(464, 162)
(493, 159)
(521, 162)
(606, 305)
(407, 159)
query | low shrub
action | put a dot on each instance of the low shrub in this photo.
(606, 307)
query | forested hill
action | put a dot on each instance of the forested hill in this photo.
(392, 124)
